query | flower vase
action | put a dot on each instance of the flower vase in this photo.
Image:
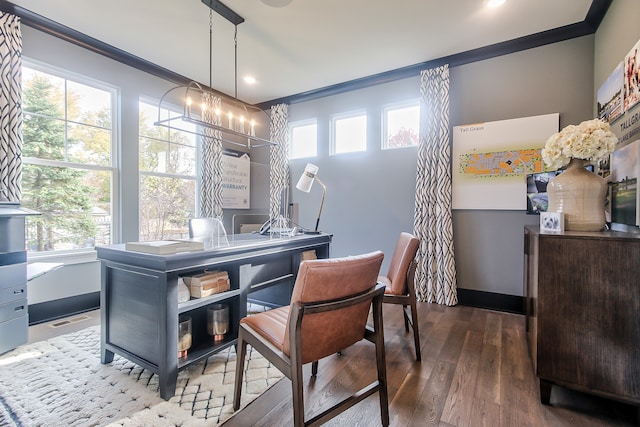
(580, 195)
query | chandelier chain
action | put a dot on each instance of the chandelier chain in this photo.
(211, 48)
(235, 72)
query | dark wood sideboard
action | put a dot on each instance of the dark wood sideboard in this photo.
(139, 297)
(583, 311)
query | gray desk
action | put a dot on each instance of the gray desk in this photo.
(139, 297)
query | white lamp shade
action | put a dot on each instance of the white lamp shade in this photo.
(306, 179)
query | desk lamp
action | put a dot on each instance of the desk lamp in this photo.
(304, 184)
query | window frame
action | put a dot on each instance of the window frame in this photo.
(384, 143)
(170, 108)
(299, 124)
(335, 118)
(80, 255)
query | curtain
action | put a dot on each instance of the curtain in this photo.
(10, 107)
(435, 272)
(279, 156)
(211, 165)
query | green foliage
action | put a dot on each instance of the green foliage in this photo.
(60, 194)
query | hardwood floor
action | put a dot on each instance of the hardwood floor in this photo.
(475, 371)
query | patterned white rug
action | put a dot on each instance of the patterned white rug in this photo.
(61, 382)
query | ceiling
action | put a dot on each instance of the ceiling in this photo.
(304, 45)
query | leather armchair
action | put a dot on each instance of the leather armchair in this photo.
(329, 310)
(400, 283)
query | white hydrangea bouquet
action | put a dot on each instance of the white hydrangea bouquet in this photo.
(591, 140)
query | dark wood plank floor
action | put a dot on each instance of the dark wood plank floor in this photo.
(475, 371)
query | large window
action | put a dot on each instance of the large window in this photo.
(401, 123)
(167, 177)
(303, 137)
(349, 133)
(68, 151)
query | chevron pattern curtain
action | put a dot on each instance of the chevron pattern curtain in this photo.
(279, 160)
(210, 176)
(10, 107)
(435, 272)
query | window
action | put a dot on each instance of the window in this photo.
(304, 139)
(349, 133)
(167, 177)
(401, 124)
(68, 140)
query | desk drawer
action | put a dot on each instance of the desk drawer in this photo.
(13, 333)
(12, 275)
(13, 310)
(13, 294)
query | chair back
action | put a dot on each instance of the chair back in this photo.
(404, 252)
(333, 280)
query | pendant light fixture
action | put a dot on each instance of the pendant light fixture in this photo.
(236, 125)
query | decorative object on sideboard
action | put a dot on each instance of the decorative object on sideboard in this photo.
(551, 222)
(578, 193)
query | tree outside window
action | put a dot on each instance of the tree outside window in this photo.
(167, 178)
(401, 124)
(67, 173)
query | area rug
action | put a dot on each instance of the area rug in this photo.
(61, 382)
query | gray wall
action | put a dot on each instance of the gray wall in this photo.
(370, 196)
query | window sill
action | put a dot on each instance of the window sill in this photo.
(67, 258)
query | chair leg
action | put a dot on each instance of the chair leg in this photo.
(414, 326)
(314, 368)
(297, 394)
(241, 351)
(381, 364)
(406, 318)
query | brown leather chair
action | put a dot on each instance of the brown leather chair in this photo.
(328, 313)
(400, 283)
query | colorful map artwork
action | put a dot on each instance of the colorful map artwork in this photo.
(501, 163)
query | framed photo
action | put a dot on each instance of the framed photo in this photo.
(551, 222)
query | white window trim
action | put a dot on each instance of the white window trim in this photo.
(83, 255)
(396, 106)
(342, 116)
(301, 123)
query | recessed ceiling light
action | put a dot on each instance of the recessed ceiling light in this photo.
(495, 3)
(249, 80)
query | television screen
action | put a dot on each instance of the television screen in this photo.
(537, 199)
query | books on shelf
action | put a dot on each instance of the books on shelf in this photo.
(311, 254)
(208, 283)
(165, 247)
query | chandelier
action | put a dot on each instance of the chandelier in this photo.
(237, 125)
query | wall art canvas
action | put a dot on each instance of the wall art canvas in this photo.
(610, 99)
(632, 77)
(492, 159)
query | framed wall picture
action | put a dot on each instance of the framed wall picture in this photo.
(236, 179)
(490, 161)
